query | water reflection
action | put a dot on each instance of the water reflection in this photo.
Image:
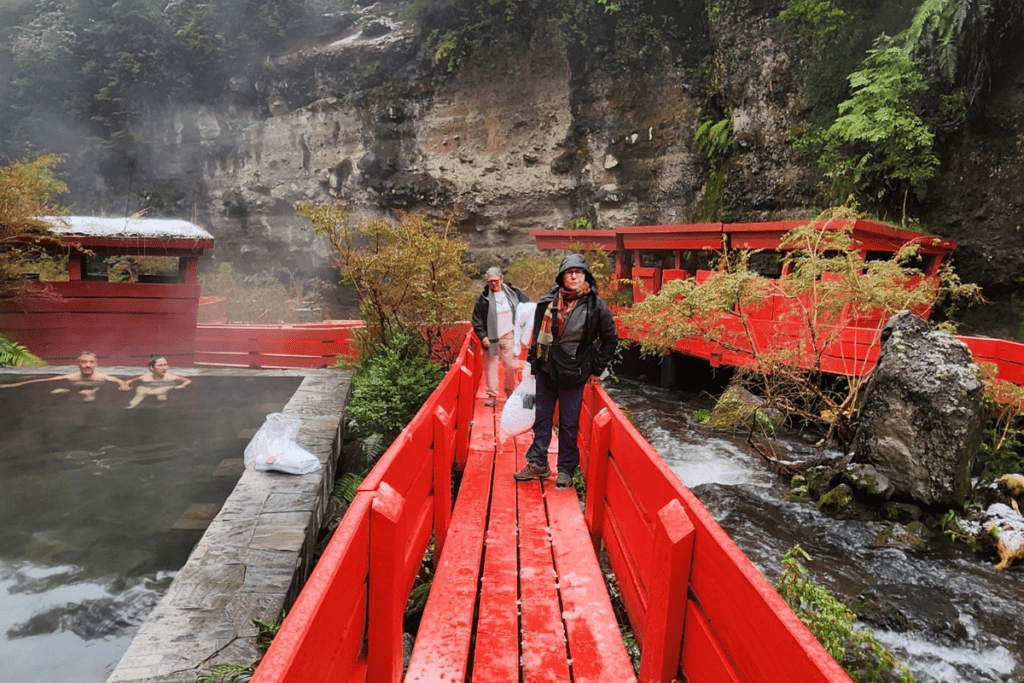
(96, 515)
(964, 618)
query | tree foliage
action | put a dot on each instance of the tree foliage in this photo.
(408, 273)
(826, 33)
(456, 30)
(880, 144)
(535, 275)
(960, 41)
(825, 286)
(82, 71)
(873, 125)
(28, 191)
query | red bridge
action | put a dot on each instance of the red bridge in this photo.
(518, 592)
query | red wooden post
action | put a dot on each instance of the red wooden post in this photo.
(75, 267)
(666, 601)
(597, 475)
(385, 602)
(442, 479)
(188, 269)
(467, 392)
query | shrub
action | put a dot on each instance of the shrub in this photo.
(27, 192)
(408, 274)
(831, 622)
(1002, 447)
(263, 297)
(390, 384)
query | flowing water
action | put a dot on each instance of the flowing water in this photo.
(100, 506)
(967, 619)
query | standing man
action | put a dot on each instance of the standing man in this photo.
(574, 338)
(494, 321)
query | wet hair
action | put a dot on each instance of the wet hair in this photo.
(86, 353)
(154, 357)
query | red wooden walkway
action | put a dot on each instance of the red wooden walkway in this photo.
(518, 594)
(543, 609)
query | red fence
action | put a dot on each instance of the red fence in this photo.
(696, 603)
(313, 345)
(121, 322)
(347, 623)
(1007, 356)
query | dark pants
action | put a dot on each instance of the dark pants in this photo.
(569, 400)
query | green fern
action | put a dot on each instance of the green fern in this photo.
(346, 486)
(13, 353)
(714, 138)
(228, 673)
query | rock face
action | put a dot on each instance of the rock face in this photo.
(921, 421)
(542, 138)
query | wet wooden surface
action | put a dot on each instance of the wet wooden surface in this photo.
(543, 612)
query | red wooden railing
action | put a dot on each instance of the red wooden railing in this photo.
(346, 624)
(308, 345)
(696, 603)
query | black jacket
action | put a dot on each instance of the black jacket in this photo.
(599, 325)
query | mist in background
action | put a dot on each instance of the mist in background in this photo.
(79, 77)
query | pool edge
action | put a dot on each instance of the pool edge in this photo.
(253, 558)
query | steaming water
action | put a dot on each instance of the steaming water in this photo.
(91, 511)
(968, 620)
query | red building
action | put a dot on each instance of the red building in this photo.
(655, 254)
(132, 290)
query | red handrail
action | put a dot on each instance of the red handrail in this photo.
(696, 602)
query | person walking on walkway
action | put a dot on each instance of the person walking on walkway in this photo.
(574, 338)
(494, 321)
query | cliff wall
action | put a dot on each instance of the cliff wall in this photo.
(542, 138)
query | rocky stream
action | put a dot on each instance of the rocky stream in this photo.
(947, 614)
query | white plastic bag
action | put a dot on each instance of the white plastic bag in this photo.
(520, 408)
(273, 447)
(524, 325)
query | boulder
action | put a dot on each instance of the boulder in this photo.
(908, 607)
(921, 421)
(868, 481)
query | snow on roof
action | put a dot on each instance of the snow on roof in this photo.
(127, 228)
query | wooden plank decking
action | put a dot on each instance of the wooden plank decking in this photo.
(518, 593)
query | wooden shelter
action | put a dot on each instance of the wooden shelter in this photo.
(122, 322)
(653, 254)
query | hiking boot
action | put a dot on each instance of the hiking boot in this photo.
(491, 401)
(531, 471)
(563, 481)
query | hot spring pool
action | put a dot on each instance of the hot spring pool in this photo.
(100, 506)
